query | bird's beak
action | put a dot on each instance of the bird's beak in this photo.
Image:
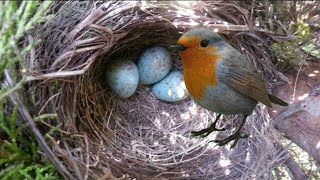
(179, 47)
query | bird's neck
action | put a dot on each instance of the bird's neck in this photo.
(199, 71)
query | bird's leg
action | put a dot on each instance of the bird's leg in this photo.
(205, 132)
(235, 136)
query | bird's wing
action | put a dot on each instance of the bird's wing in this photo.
(245, 78)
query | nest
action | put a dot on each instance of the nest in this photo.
(101, 136)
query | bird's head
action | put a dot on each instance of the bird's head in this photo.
(201, 39)
(200, 53)
(199, 45)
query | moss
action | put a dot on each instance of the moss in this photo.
(287, 54)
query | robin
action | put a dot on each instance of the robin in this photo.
(221, 79)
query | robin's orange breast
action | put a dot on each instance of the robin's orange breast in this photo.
(199, 70)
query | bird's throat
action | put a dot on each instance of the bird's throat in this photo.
(199, 71)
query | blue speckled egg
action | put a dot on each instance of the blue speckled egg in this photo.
(122, 76)
(154, 64)
(172, 88)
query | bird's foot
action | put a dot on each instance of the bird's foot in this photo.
(205, 132)
(236, 136)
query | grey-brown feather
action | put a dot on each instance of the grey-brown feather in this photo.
(239, 73)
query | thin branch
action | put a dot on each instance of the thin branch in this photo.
(55, 75)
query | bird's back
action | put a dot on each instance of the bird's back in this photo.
(239, 72)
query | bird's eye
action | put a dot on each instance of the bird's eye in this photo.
(204, 43)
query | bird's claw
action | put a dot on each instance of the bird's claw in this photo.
(236, 136)
(205, 132)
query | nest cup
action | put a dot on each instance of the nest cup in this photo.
(102, 136)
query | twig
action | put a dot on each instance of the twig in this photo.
(73, 52)
(32, 54)
(46, 103)
(87, 158)
(293, 167)
(55, 75)
(107, 176)
(72, 162)
(296, 80)
(252, 10)
(94, 15)
(12, 88)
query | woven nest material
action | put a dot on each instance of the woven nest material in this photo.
(100, 135)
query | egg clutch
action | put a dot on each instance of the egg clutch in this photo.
(152, 68)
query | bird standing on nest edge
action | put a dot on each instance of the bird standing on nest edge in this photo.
(221, 79)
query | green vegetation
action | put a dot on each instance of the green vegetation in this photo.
(20, 156)
(312, 49)
(288, 53)
(292, 53)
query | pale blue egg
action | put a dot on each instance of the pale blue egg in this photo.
(122, 76)
(154, 64)
(172, 88)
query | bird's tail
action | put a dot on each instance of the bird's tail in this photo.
(277, 100)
